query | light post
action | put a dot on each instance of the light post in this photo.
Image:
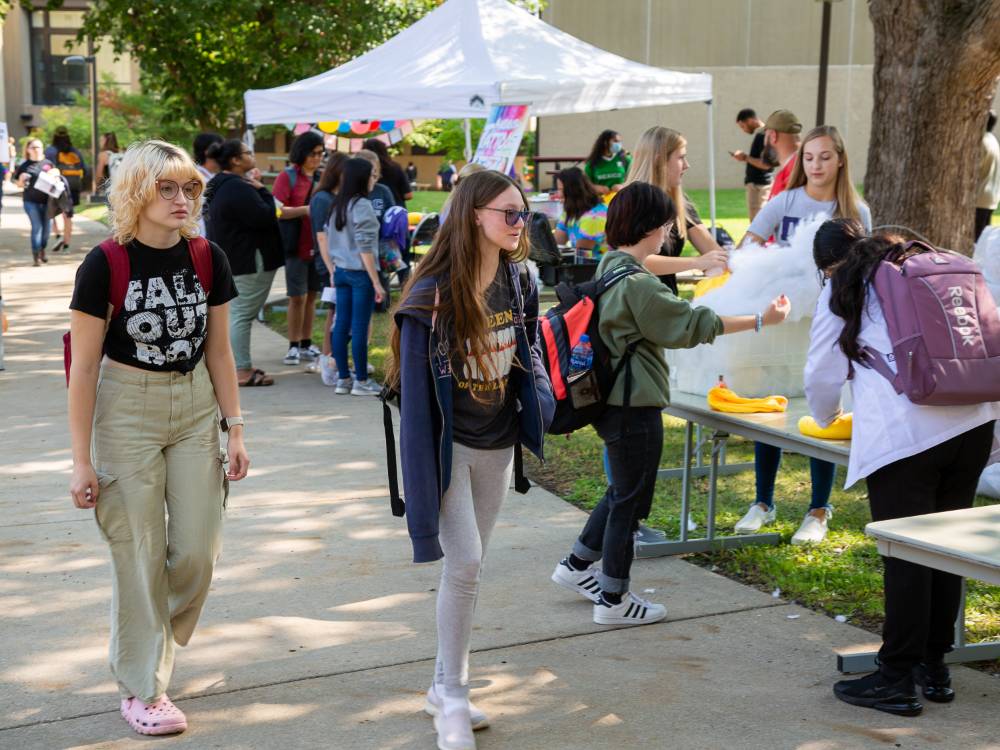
(92, 61)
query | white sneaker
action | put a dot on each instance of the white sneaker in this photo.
(582, 582)
(432, 707)
(293, 357)
(454, 726)
(343, 386)
(327, 370)
(366, 388)
(311, 352)
(371, 369)
(754, 519)
(813, 529)
(631, 611)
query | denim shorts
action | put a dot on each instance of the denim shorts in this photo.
(301, 276)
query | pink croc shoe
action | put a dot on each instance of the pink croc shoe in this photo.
(159, 717)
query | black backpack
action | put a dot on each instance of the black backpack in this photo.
(582, 397)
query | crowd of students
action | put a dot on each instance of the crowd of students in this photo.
(467, 365)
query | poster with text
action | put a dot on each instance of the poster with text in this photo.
(501, 137)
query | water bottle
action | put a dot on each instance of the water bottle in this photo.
(582, 356)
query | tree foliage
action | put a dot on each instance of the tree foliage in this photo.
(201, 55)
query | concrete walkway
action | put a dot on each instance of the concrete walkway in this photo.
(320, 632)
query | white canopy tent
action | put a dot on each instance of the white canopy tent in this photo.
(468, 55)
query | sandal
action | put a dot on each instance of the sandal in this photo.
(257, 378)
(159, 717)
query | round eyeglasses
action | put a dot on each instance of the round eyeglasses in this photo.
(168, 189)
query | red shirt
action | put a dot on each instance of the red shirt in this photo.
(781, 179)
(293, 199)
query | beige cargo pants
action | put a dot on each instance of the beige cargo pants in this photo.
(163, 490)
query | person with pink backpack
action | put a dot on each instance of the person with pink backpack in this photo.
(916, 333)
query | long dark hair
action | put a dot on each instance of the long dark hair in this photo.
(353, 185)
(579, 195)
(601, 147)
(850, 257)
(332, 171)
(61, 141)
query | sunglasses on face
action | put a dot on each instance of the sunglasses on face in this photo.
(511, 215)
(168, 189)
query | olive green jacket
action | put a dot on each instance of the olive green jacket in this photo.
(641, 308)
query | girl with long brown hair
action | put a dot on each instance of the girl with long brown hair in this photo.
(820, 186)
(472, 385)
(660, 159)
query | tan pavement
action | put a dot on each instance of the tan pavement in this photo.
(320, 632)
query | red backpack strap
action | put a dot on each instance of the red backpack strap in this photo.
(201, 256)
(118, 262)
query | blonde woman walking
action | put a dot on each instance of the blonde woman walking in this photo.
(152, 374)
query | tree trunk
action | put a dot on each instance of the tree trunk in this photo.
(936, 68)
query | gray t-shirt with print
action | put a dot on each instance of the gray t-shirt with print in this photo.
(783, 213)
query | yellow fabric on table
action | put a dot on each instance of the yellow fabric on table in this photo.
(724, 400)
(839, 429)
(712, 282)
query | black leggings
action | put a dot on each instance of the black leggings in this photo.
(921, 604)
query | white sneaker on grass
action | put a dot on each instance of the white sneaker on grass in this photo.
(432, 707)
(631, 611)
(582, 582)
(293, 357)
(343, 386)
(813, 529)
(754, 519)
(366, 388)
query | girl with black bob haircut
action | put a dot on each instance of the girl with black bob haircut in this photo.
(915, 459)
(352, 247)
(639, 318)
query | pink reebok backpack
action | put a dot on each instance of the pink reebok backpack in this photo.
(944, 328)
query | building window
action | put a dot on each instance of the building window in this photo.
(53, 39)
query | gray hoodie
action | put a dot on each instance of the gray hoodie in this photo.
(359, 235)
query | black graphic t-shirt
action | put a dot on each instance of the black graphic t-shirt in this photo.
(163, 321)
(491, 422)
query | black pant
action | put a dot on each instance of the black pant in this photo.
(983, 218)
(921, 604)
(634, 438)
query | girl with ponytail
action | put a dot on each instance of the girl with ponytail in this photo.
(915, 459)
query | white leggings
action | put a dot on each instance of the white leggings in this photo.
(469, 509)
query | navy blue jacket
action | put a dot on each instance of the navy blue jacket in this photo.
(425, 438)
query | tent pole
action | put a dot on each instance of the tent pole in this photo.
(468, 140)
(711, 166)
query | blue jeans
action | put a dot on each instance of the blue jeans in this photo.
(767, 459)
(39, 225)
(355, 297)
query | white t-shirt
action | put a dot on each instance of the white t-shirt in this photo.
(887, 425)
(783, 213)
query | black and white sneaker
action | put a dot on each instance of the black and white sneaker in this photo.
(583, 582)
(631, 611)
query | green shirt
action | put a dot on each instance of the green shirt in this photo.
(640, 308)
(609, 171)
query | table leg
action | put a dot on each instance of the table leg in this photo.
(718, 442)
(686, 480)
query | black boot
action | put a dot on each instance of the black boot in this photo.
(879, 691)
(934, 677)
